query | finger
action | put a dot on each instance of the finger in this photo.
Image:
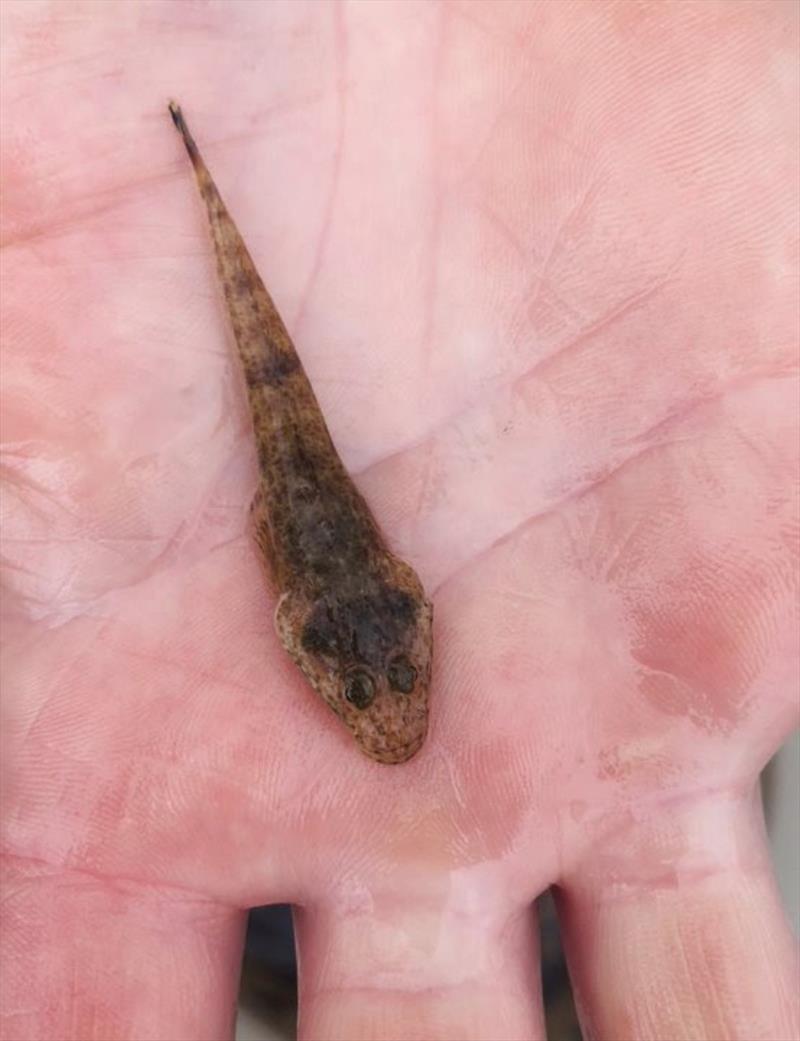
(389, 972)
(691, 940)
(89, 958)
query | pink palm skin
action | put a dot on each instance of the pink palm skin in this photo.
(540, 262)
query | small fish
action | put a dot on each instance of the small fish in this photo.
(351, 614)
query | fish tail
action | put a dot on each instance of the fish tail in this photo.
(265, 348)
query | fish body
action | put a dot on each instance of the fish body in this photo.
(353, 616)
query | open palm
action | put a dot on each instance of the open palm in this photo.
(538, 263)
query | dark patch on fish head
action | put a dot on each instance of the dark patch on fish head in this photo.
(369, 655)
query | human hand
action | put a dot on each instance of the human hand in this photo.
(538, 262)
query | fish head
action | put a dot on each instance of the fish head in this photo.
(367, 651)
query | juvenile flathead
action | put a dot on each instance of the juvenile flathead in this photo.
(353, 616)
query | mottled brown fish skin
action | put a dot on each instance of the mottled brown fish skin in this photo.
(352, 615)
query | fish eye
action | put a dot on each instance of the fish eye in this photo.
(401, 675)
(359, 689)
